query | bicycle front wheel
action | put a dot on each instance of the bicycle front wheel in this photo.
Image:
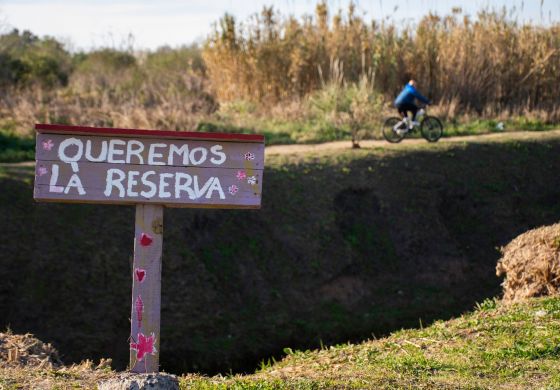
(390, 130)
(431, 128)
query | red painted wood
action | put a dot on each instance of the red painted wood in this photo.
(68, 129)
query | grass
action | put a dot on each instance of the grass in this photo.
(278, 132)
(497, 346)
(14, 148)
(485, 126)
(319, 130)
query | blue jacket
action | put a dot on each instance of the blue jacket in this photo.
(408, 94)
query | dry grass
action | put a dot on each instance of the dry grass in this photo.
(28, 363)
(26, 350)
(489, 64)
(161, 90)
(531, 264)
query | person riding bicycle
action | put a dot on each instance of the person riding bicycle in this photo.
(405, 102)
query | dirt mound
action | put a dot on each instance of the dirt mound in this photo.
(531, 264)
(26, 350)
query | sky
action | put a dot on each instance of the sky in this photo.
(148, 24)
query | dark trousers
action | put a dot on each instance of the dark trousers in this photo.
(404, 108)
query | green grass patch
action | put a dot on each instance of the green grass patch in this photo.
(17, 148)
(458, 126)
(496, 346)
(14, 148)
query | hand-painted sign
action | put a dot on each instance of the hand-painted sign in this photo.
(177, 169)
(151, 169)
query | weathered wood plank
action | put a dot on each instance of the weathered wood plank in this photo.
(148, 151)
(146, 289)
(112, 183)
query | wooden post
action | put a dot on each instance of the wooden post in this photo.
(146, 289)
(150, 169)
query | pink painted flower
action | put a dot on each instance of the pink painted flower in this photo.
(233, 189)
(249, 156)
(144, 346)
(42, 171)
(252, 180)
(48, 145)
(139, 305)
(241, 175)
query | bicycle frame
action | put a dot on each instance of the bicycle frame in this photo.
(420, 114)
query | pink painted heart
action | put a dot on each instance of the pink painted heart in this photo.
(145, 239)
(140, 274)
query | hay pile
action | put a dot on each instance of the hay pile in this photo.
(531, 264)
(26, 350)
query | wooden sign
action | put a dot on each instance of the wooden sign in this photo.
(177, 169)
(150, 169)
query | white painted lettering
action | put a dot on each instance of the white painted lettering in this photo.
(67, 159)
(131, 182)
(163, 185)
(148, 183)
(203, 154)
(152, 154)
(115, 152)
(183, 150)
(216, 150)
(216, 186)
(130, 151)
(102, 154)
(54, 178)
(75, 182)
(200, 191)
(179, 176)
(112, 182)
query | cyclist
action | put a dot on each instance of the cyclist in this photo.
(405, 102)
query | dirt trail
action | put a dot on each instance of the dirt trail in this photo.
(369, 144)
(517, 135)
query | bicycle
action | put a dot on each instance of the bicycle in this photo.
(395, 129)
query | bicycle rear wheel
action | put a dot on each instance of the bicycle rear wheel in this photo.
(389, 130)
(431, 128)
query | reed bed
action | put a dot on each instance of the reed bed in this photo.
(486, 65)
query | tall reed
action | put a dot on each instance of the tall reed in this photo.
(486, 64)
